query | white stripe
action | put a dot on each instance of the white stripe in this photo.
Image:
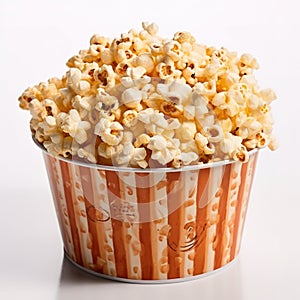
(235, 179)
(80, 215)
(103, 226)
(214, 195)
(63, 204)
(129, 213)
(190, 227)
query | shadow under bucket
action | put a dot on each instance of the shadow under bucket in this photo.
(152, 225)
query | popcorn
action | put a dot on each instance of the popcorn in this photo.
(36, 109)
(105, 75)
(183, 36)
(170, 109)
(151, 28)
(163, 150)
(156, 49)
(154, 121)
(73, 125)
(241, 154)
(128, 155)
(186, 132)
(219, 99)
(267, 95)
(262, 139)
(88, 153)
(247, 63)
(173, 50)
(201, 141)
(49, 126)
(174, 91)
(165, 71)
(142, 140)
(121, 68)
(131, 97)
(146, 61)
(141, 101)
(184, 159)
(130, 118)
(230, 144)
(136, 72)
(214, 133)
(110, 132)
(75, 83)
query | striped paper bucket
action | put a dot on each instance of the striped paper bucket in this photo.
(153, 225)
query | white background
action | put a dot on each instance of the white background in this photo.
(37, 38)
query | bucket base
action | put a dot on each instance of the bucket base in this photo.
(154, 281)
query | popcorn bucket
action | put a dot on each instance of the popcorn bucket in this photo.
(150, 225)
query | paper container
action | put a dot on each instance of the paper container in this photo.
(153, 225)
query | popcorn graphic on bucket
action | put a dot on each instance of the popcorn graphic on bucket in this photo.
(150, 146)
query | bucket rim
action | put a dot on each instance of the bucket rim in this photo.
(195, 167)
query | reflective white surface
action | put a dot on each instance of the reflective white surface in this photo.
(36, 40)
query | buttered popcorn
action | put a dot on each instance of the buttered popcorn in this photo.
(141, 100)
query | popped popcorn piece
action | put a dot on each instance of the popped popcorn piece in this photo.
(128, 155)
(136, 72)
(121, 68)
(171, 109)
(75, 82)
(49, 126)
(186, 131)
(241, 154)
(183, 36)
(163, 150)
(88, 153)
(110, 132)
(184, 159)
(230, 143)
(51, 107)
(36, 109)
(262, 139)
(273, 143)
(151, 28)
(201, 141)
(131, 97)
(130, 118)
(146, 61)
(267, 95)
(154, 121)
(251, 144)
(174, 91)
(105, 75)
(142, 140)
(72, 124)
(106, 102)
(247, 63)
(173, 50)
(165, 71)
(214, 133)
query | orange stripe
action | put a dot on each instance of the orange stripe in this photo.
(219, 247)
(143, 197)
(201, 221)
(69, 200)
(174, 219)
(113, 186)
